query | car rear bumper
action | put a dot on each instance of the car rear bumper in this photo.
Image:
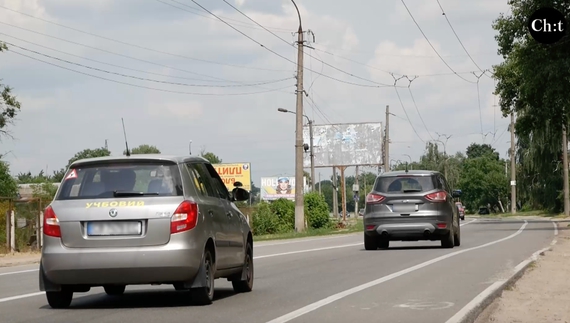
(175, 262)
(408, 227)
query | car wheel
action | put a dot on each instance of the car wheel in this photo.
(245, 286)
(383, 243)
(448, 240)
(114, 290)
(205, 295)
(457, 236)
(61, 299)
(370, 243)
(463, 217)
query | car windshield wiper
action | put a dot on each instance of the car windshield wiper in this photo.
(412, 190)
(132, 193)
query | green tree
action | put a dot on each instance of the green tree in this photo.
(44, 191)
(479, 150)
(89, 153)
(9, 106)
(533, 83)
(8, 185)
(143, 149)
(211, 157)
(484, 182)
(28, 178)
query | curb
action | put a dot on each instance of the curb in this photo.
(475, 307)
(16, 264)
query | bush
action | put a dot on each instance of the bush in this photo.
(285, 210)
(317, 211)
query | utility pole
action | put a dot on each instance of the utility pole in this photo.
(565, 160)
(312, 155)
(513, 167)
(299, 189)
(106, 146)
(320, 185)
(356, 190)
(335, 193)
(387, 141)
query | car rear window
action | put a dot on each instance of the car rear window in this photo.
(95, 181)
(404, 184)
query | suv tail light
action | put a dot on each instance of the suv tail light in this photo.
(51, 223)
(373, 198)
(439, 196)
(184, 218)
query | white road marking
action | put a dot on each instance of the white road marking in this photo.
(13, 298)
(300, 240)
(18, 272)
(458, 317)
(420, 306)
(333, 298)
(308, 250)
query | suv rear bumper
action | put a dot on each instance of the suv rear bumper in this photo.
(408, 227)
(174, 262)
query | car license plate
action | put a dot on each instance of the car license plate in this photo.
(114, 228)
(404, 207)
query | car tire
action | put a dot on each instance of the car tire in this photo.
(245, 286)
(370, 243)
(61, 299)
(383, 243)
(457, 236)
(205, 295)
(114, 290)
(448, 240)
(463, 217)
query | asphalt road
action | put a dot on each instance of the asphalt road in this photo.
(328, 279)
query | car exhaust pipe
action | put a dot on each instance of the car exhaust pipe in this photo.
(384, 234)
(427, 233)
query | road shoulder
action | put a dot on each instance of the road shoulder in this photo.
(542, 294)
(18, 259)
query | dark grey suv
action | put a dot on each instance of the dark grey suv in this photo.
(411, 206)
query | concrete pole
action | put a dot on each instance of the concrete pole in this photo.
(299, 189)
(565, 162)
(335, 193)
(357, 192)
(387, 141)
(513, 168)
(312, 156)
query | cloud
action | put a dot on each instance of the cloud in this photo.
(70, 111)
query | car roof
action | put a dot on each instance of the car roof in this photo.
(409, 172)
(147, 157)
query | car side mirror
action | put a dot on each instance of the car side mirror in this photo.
(239, 194)
(238, 184)
(456, 194)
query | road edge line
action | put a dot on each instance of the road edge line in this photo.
(470, 312)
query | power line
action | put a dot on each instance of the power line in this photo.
(407, 117)
(290, 44)
(457, 36)
(140, 78)
(435, 50)
(119, 66)
(145, 87)
(138, 46)
(239, 23)
(118, 54)
(416, 106)
(281, 56)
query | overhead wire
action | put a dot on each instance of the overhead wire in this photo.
(416, 106)
(142, 86)
(407, 116)
(115, 65)
(431, 45)
(141, 47)
(118, 54)
(142, 78)
(283, 57)
(290, 44)
(457, 36)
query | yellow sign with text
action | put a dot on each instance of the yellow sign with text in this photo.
(114, 204)
(231, 173)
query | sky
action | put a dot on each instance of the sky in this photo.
(182, 78)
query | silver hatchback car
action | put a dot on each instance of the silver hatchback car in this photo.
(411, 206)
(144, 219)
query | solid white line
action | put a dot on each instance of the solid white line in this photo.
(308, 250)
(466, 223)
(316, 305)
(13, 298)
(18, 272)
(458, 317)
(300, 240)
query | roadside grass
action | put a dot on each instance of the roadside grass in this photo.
(541, 213)
(351, 228)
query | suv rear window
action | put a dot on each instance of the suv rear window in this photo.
(404, 184)
(99, 181)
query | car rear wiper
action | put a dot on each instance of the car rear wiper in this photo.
(412, 190)
(132, 193)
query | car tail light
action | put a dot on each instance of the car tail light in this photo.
(439, 196)
(184, 218)
(370, 227)
(51, 223)
(442, 225)
(374, 198)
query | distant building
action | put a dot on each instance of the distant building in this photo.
(26, 191)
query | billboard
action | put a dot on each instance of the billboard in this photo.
(356, 144)
(230, 173)
(274, 188)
